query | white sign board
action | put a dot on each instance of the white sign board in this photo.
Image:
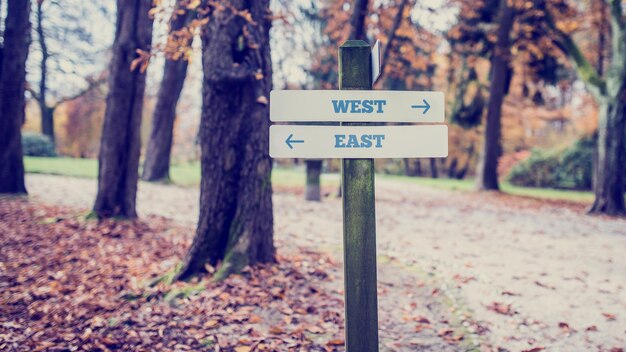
(356, 106)
(320, 142)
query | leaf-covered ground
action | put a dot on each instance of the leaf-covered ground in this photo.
(504, 273)
(67, 284)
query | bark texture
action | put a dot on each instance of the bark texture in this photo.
(487, 176)
(609, 176)
(156, 166)
(12, 101)
(313, 188)
(357, 22)
(235, 227)
(120, 144)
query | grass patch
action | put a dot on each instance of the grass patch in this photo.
(439, 183)
(87, 168)
(468, 185)
(188, 174)
(548, 193)
(184, 174)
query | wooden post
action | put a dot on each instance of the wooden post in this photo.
(359, 216)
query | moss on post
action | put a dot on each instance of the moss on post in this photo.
(359, 217)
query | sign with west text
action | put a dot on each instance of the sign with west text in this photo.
(356, 106)
(348, 142)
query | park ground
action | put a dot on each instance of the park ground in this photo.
(458, 271)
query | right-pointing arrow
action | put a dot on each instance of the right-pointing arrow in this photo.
(426, 106)
(290, 141)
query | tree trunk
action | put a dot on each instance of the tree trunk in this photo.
(47, 121)
(357, 21)
(609, 176)
(412, 167)
(235, 227)
(313, 171)
(156, 166)
(12, 100)
(470, 153)
(120, 144)
(433, 168)
(487, 177)
(47, 114)
(452, 172)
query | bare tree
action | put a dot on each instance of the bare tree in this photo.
(64, 24)
(609, 92)
(156, 166)
(12, 100)
(487, 177)
(120, 144)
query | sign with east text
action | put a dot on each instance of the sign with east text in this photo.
(356, 106)
(320, 142)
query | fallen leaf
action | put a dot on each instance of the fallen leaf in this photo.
(610, 316)
(243, 349)
(564, 327)
(315, 329)
(336, 342)
(254, 319)
(444, 332)
(501, 308)
(276, 330)
(210, 324)
(421, 319)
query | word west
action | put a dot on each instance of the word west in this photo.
(366, 141)
(359, 106)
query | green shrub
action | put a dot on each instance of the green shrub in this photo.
(539, 170)
(568, 169)
(34, 144)
(576, 169)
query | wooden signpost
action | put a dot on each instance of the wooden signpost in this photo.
(357, 143)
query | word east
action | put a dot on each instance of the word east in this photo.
(359, 106)
(353, 141)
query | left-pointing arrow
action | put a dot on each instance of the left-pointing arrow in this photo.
(290, 141)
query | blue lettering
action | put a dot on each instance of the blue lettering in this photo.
(341, 106)
(366, 141)
(358, 106)
(379, 140)
(380, 104)
(339, 141)
(353, 142)
(355, 106)
(367, 107)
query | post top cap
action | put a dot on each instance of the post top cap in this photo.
(355, 44)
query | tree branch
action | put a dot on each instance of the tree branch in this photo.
(92, 84)
(392, 35)
(586, 71)
(617, 14)
(32, 92)
(357, 22)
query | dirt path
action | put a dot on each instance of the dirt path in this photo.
(535, 275)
